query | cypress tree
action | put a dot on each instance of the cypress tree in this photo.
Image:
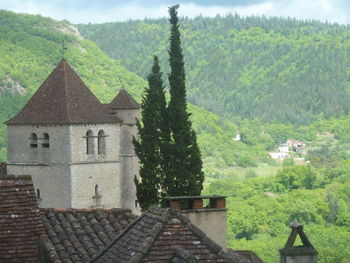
(185, 175)
(153, 137)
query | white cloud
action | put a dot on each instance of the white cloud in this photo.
(322, 10)
(330, 10)
(191, 10)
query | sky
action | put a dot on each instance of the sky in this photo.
(100, 11)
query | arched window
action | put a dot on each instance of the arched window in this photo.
(89, 142)
(46, 140)
(101, 140)
(33, 140)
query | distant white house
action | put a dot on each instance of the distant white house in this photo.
(237, 138)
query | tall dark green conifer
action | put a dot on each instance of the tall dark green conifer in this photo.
(153, 138)
(185, 175)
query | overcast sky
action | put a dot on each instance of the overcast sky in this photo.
(99, 11)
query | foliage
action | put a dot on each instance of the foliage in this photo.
(288, 162)
(295, 177)
(152, 141)
(185, 175)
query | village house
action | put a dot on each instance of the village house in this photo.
(285, 149)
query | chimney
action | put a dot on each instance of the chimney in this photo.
(298, 254)
(211, 219)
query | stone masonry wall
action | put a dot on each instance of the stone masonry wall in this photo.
(212, 222)
(129, 161)
(66, 175)
(299, 259)
(47, 166)
(91, 170)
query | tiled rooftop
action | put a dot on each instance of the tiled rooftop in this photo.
(97, 235)
(163, 235)
(20, 222)
(76, 235)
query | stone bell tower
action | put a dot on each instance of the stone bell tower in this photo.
(78, 153)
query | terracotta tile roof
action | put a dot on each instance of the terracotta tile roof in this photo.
(123, 100)
(3, 169)
(163, 235)
(76, 235)
(63, 98)
(20, 222)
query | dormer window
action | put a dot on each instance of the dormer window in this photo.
(33, 140)
(101, 140)
(46, 140)
(89, 142)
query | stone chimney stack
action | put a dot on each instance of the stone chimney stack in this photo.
(305, 253)
(211, 218)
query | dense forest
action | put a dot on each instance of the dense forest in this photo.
(278, 69)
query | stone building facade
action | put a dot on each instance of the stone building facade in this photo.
(78, 151)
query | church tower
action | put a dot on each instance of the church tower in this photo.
(127, 109)
(77, 150)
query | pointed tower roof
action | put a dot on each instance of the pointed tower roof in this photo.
(63, 98)
(123, 100)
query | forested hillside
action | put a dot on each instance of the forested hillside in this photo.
(31, 47)
(271, 68)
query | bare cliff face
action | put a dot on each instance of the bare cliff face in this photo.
(11, 85)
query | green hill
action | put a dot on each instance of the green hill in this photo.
(30, 48)
(271, 68)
